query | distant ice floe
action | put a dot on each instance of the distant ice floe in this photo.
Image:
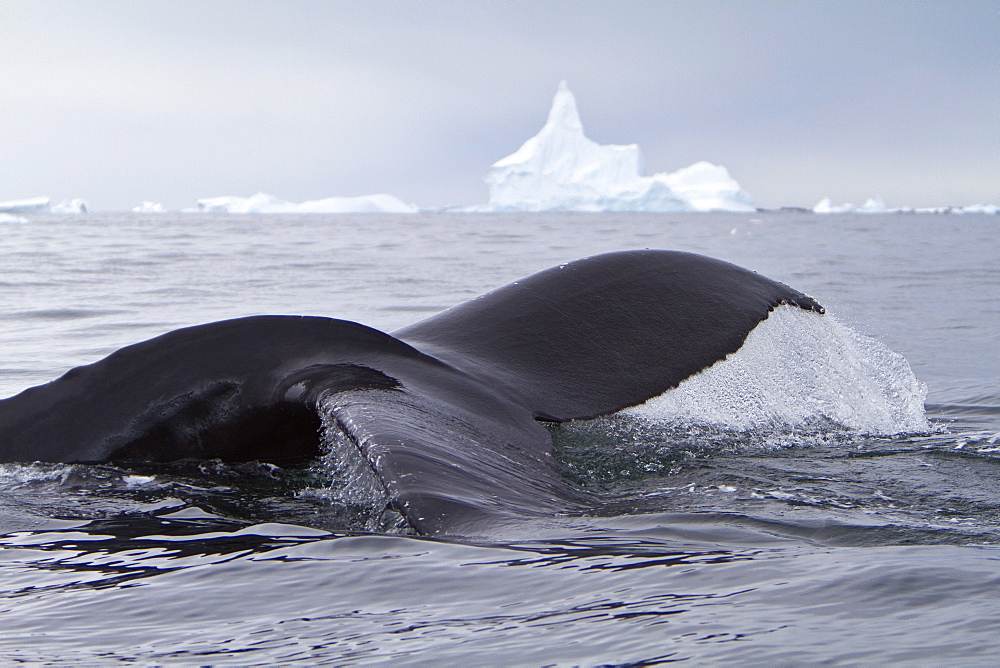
(560, 169)
(975, 208)
(12, 218)
(29, 205)
(264, 203)
(877, 205)
(42, 205)
(70, 206)
(871, 205)
(149, 207)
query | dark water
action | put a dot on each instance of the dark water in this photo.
(702, 540)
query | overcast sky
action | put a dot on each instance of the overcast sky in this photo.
(117, 101)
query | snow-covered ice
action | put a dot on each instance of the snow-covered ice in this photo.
(149, 207)
(826, 205)
(70, 206)
(380, 203)
(871, 205)
(29, 205)
(264, 203)
(977, 208)
(12, 218)
(708, 187)
(560, 169)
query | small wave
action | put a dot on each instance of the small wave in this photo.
(413, 308)
(624, 447)
(351, 485)
(799, 368)
(61, 314)
(13, 475)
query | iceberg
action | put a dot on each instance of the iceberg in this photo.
(264, 203)
(560, 169)
(149, 207)
(871, 205)
(874, 205)
(380, 203)
(70, 206)
(826, 205)
(259, 203)
(29, 205)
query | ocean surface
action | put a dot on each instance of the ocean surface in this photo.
(759, 516)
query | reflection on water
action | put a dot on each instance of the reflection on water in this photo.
(153, 590)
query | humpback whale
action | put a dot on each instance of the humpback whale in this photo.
(446, 411)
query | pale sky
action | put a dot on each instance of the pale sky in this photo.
(118, 101)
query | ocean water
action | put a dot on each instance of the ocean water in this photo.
(795, 504)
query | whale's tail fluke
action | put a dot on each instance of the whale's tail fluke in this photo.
(444, 411)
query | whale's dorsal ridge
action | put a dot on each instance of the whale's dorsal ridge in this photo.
(591, 337)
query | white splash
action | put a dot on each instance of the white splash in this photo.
(353, 482)
(796, 368)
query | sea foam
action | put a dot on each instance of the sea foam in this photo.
(796, 368)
